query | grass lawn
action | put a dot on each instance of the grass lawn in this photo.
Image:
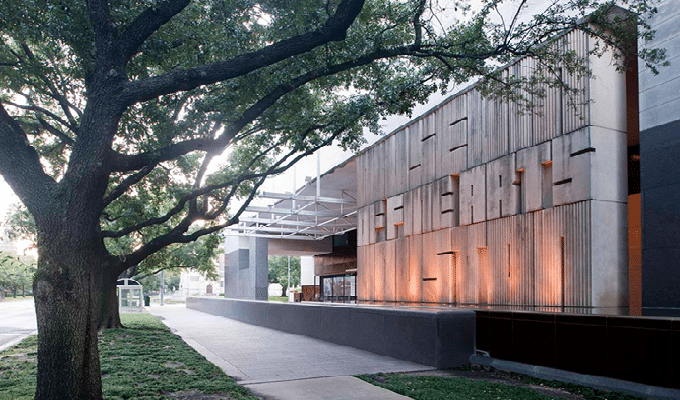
(283, 299)
(144, 361)
(461, 388)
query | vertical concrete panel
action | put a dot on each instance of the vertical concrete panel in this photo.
(610, 255)
(548, 263)
(415, 160)
(415, 264)
(459, 238)
(521, 282)
(408, 213)
(370, 216)
(476, 239)
(546, 117)
(417, 203)
(572, 155)
(431, 286)
(429, 146)
(501, 194)
(498, 241)
(444, 261)
(370, 272)
(521, 126)
(496, 128)
(450, 202)
(437, 190)
(608, 165)
(259, 267)
(395, 215)
(529, 161)
(361, 184)
(362, 226)
(608, 92)
(575, 106)
(401, 159)
(389, 145)
(476, 142)
(379, 162)
(369, 176)
(380, 260)
(401, 249)
(444, 139)
(363, 268)
(427, 200)
(390, 271)
(473, 195)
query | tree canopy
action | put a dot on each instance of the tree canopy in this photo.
(278, 271)
(130, 126)
(16, 273)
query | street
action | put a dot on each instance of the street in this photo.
(17, 320)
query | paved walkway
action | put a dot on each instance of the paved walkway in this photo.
(17, 322)
(278, 365)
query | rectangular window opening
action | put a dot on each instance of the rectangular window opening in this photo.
(547, 185)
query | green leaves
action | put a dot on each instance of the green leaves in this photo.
(15, 272)
(278, 270)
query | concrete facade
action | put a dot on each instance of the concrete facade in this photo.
(659, 153)
(245, 271)
(473, 203)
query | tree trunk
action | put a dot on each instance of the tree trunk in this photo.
(283, 290)
(67, 299)
(109, 314)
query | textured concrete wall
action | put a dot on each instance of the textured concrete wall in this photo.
(659, 172)
(245, 271)
(443, 339)
(475, 203)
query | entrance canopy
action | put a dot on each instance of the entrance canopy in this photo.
(324, 207)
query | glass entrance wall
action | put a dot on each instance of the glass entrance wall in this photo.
(338, 288)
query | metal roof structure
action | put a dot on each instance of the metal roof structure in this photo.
(323, 207)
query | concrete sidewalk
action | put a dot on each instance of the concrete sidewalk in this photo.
(281, 366)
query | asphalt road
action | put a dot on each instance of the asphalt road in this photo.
(17, 320)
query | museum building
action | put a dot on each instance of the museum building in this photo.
(477, 203)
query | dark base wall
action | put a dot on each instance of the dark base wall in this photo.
(660, 192)
(442, 339)
(643, 350)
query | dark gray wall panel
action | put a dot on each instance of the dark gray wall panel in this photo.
(443, 339)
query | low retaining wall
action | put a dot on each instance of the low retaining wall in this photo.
(636, 349)
(442, 339)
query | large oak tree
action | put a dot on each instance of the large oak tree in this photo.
(106, 102)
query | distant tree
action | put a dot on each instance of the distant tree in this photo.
(278, 272)
(15, 273)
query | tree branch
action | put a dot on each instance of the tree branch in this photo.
(177, 234)
(56, 132)
(177, 80)
(46, 112)
(146, 24)
(126, 183)
(121, 163)
(20, 165)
